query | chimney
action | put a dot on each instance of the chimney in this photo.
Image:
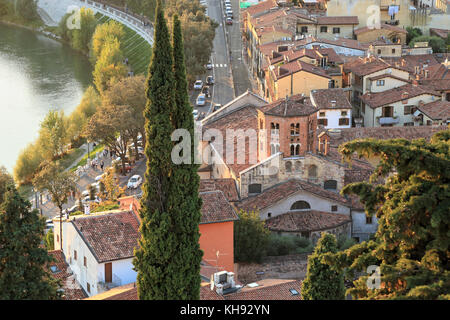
(333, 103)
(223, 281)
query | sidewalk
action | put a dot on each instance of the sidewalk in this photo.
(241, 78)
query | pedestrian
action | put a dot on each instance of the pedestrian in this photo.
(102, 164)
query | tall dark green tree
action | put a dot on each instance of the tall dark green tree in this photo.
(22, 261)
(322, 282)
(411, 245)
(185, 183)
(157, 269)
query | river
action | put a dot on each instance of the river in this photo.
(37, 74)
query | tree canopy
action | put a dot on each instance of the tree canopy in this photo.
(413, 211)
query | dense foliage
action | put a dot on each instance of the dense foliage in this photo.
(413, 211)
(250, 237)
(322, 282)
(80, 37)
(436, 43)
(5, 180)
(23, 262)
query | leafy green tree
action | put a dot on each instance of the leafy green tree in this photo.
(82, 37)
(28, 163)
(412, 33)
(322, 282)
(50, 240)
(27, 9)
(22, 261)
(183, 195)
(436, 43)
(109, 67)
(412, 206)
(250, 237)
(58, 183)
(157, 270)
(5, 8)
(5, 180)
(52, 134)
(110, 125)
(130, 91)
(105, 33)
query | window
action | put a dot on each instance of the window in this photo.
(292, 150)
(269, 214)
(344, 113)
(88, 288)
(387, 111)
(85, 262)
(324, 29)
(312, 171)
(408, 109)
(298, 166)
(75, 254)
(322, 122)
(292, 129)
(288, 166)
(363, 109)
(54, 269)
(336, 30)
(330, 185)
(297, 129)
(304, 30)
(393, 50)
(408, 124)
(380, 83)
(379, 51)
(304, 234)
(344, 121)
(108, 272)
(368, 220)
(301, 205)
(254, 188)
(321, 114)
(297, 150)
(334, 208)
(57, 238)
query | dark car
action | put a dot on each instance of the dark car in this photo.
(210, 80)
(205, 91)
(217, 106)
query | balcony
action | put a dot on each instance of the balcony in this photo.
(391, 22)
(387, 120)
(384, 4)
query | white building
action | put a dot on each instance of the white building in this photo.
(335, 110)
(99, 248)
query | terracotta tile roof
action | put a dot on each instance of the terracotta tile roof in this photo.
(437, 110)
(126, 292)
(442, 33)
(323, 98)
(383, 26)
(294, 106)
(333, 57)
(297, 66)
(366, 66)
(244, 118)
(338, 20)
(306, 221)
(408, 91)
(348, 43)
(271, 29)
(207, 294)
(267, 18)
(110, 236)
(216, 208)
(269, 289)
(410, 62)
(274, 194)
(438, 84)
(72, 290)
(227, 186)
(261, 7)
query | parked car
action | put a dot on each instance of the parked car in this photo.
(229, 13)
(227, 2)
(229, 21)
(216, 107)
(141, 150)
(209, 65)
(228, 6)
(198, 85)
(205, 91)
(127, 168)
(134, 182)
(201, 100)
(98, 178)
(195, 114)
(210, 80)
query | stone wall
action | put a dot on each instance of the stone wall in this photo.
(282, 267)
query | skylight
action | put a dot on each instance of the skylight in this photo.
(294, 292)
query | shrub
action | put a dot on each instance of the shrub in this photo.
(280, 245)
(76, 213)
(49, 240)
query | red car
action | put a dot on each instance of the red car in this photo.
(229, 20)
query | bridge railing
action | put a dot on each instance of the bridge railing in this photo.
(138, 23)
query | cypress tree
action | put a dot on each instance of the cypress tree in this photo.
(184, 184)
(22, 260)
(154, 260)
(322, 282)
